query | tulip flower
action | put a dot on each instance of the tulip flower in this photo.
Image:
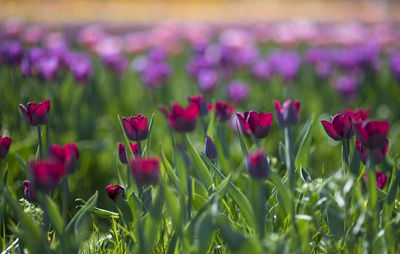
(357, 115)
(4, 146)
(381, 179)
(200, 102)
(136, 127)
(182, 119)
(36, 113)
(47, 174)
(209, 148)
(340, 127)
(288, 113)
(67, 154)
(145, 170)
(29, 192)
(114, 190)
(223, 111)
(378, 154)
(257, 165)
(373, 134)
(258, 124)
(122, 152)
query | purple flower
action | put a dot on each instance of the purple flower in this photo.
(347, 86)
(80, 66)
(394, 64)
(116, 62)
(48, 67)
(262, 69)
(11, 52)
(237, 90)
(207, 80)
(286, 64)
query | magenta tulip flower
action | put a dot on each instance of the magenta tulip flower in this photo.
(5, 144)
(36, 113)
(145, 170)
(136, 127)
(288, 113)
(182, 119)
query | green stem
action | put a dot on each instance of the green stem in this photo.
(189, 191)
(139, 148)
(128, 176)
(40, 143)
(65, 199)
(203, 123)
(372, 196)
(345, 155)
(47, 137)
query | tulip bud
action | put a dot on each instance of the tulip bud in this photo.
(200, 102)
(29, 193)
(209, 148)
(47, 174)
(373, 134)
(223, 111)
(4, 146)
(288, 113)
(136, 127)
(122, 152)
(145, 170)
(258, 165)
(182, 119)
(68, 155)
(378, 154)
(114, 190)
(36, 113)
(381, 179)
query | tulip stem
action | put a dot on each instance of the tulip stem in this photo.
(372, 195)
(345, 154)
(128, 176)
(203, 123)
(47, 137)
(139, 148)
(40, 143)
(189, 191)
(65, 199)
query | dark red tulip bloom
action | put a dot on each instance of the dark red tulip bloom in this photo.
(114, 190)
(182, 119)
(46, 174)
(145, 170)
(258, 124)
(373, 134)
(381, 179)
(122, 152)
(136, 127)
(4, 146)
(378, 154)
(357, 115)
(257, 165)
(29, 193)
(223, 111)
(288, 113)
(67, 154)
(209, 148)
(201, 104)
(340, 127)
(36, 113)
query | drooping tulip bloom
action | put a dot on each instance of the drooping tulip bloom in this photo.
(46, 174)
(378, 154)
(29, 192)
(209, 148)
(122, 152)
(4, 146)
(258, 124)
(136, 127)
(288, 113)
(340, 127)
(145, 170)
(182, 119)
(114, 190)
(200, 102)
(36, 113)
(373, 134)
(257, 165)
(67, 154)
(223, 111)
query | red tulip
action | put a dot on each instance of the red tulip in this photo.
(122, 152)
(381, 179)
(4, 146)
(357, 115)
(136, 127)
(145, 170)
(182, 119)
(223, 111)
(36, 113)
(258, 124)
(201, 104)
(340, 127)
(46, 174)
(373, 134)
(257, 165)
(288, 113)
(67, 154)
(114, 190)
(378, 154)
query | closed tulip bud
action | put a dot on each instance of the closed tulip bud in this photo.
(209, 148)
(29, 193)
(36, 113)
(378, 154)
(258, 165)
(340, 127)
(288, 113)
(200, 102)
(373, 134)
(223, 111)
(114, 190)
(145, 170)
(182, 119)
(136, 127)
(4, 146)
(46, 174)
(67, 154)
(122, 152)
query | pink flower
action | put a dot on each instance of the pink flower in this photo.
(36, 113)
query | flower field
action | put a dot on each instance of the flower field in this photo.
(194, 138)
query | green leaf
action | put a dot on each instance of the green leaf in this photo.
(52, 213)
(283, 192)
(172, 205)
(242, 142)
(210, 129)
(203, 233)
(105, 213)
(335, 221)
(87, 208)
(243, 203)
(116, 170)
(125, 210)
(303, 152)
(168, 168)
(148, 140)
(202, 169)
